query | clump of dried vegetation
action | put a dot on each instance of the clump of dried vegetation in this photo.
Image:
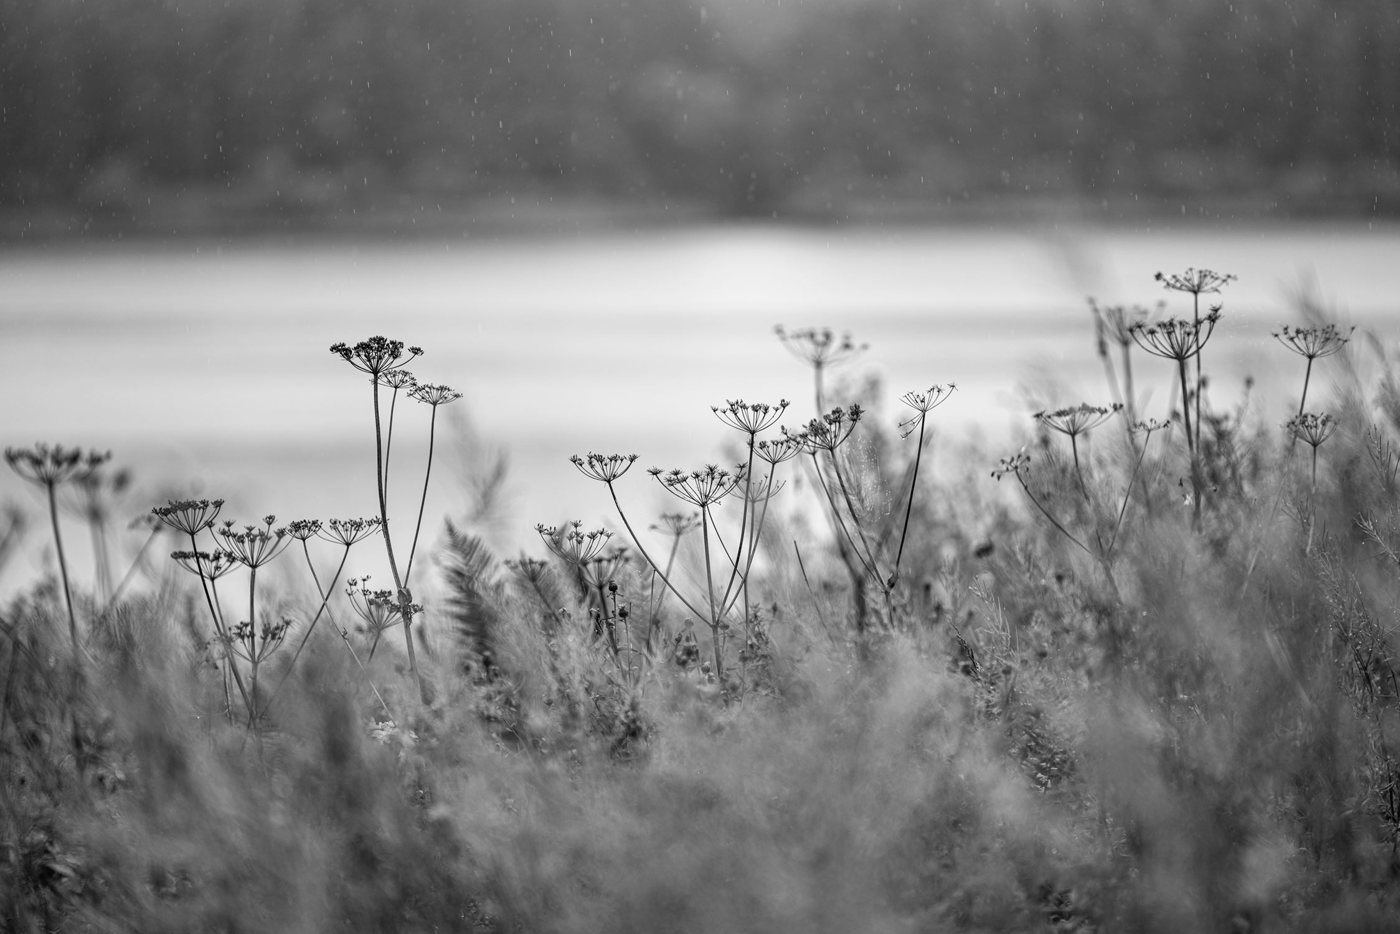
(1146, 684)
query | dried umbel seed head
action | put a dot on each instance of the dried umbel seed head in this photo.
(1149, 426)
(52, 465)
(819, 347)
(1078, 419)
(434, 394)
(777, 450)
(678, 523)
(927, 401)
(349, 531)
(396, 379)
(210, 565)
(605, 567)
(1314, 342)
(1311, 428)
(303, 529)
(1195, 281)
(750, 417)
(252, 545)
(1175, 338)
(603, 467)
(1016, 465)
(705, 487)
(190, 516)
(572, 544)
(1112, 322)
(379, 609)
(830, 431)
(376, 356)
(922, 403)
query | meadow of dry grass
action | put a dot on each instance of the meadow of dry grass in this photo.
(1138, 681)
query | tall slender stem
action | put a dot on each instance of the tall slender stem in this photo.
(1196, 313)
(709, 584)
(63, 572)
(665, 579)
(253, 644)
(423, 502)
(741, 544)
(909, 506)
(404, 597)
(325, 596)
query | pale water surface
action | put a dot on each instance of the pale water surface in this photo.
(205, 365)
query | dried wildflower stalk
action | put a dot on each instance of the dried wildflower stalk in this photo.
(51, 466)
(384, 360)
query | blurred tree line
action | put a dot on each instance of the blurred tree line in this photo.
(747, 106)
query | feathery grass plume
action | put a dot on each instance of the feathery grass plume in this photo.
(1385, 458)
(535, 576)
(474, 601)
(49, 467)
(819, 348)
(1312, 343)
(12, 528)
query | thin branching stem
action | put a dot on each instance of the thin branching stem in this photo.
(404, 597)
(63, 573)
(909, 504)
(709, 584)
(665, 579)
(423, 502)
